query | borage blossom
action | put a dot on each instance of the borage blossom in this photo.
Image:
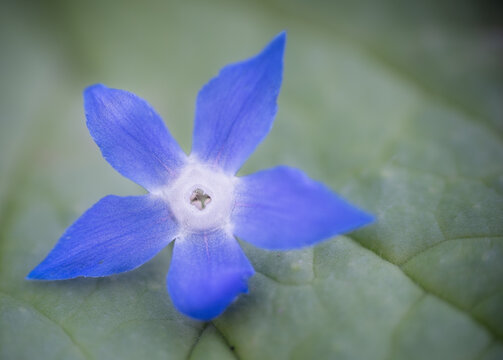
(197, 200)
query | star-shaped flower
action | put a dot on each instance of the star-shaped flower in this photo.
(197, 200)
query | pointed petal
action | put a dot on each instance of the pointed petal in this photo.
(208, 271)
(236, 109)
(132, 137)
(117, 234)
(281, 208)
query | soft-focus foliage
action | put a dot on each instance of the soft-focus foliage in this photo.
(398, 108)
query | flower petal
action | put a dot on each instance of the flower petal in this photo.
(281, 208)
(207, 272)
(132, 137)
(117, 234)
(236, 109)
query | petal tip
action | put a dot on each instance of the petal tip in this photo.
(93, 89)
(207, 309)
(40, 272)
(360, 219)
(91, 94)
(34, 275)
(366, 218)
(277, 44)
(281, 37)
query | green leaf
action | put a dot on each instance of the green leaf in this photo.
(395, 106)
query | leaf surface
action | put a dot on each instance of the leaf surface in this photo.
(396, 109)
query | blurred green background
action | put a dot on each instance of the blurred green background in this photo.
(397, 105)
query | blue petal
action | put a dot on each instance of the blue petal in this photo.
(207, 272)
(281, 208)
(236, 109)
(132, 137)
(117, 234)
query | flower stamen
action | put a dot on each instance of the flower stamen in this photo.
(199, 199)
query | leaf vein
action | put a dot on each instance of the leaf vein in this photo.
(493, 332)
(69, 335)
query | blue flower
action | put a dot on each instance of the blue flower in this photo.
(197, 200)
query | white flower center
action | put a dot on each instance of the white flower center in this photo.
(201, 198)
